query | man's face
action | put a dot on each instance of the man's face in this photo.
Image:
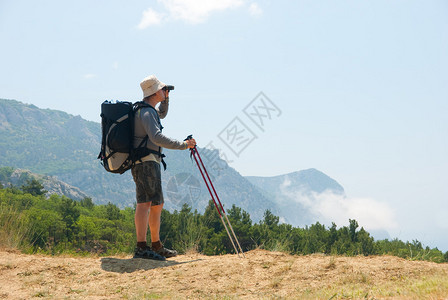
(162, 95)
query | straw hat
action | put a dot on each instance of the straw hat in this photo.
(151, 85)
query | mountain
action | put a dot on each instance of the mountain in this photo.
(64, 146)
(54, 143)
(306, 180)
(293, 193)
(183, 183)
(19, 177)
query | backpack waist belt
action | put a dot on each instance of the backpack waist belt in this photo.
(152, 157)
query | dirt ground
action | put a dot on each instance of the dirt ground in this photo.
(261, 275)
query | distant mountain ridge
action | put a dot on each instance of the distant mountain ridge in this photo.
(52, 185)
(307, 180)
(54, 143)
(288, 190)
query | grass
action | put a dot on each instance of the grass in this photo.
(430, 287)
(41, 294)
(331, 264)
(13, 230)
(141, 294)
(278, 282)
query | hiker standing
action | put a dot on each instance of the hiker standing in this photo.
(146, 172)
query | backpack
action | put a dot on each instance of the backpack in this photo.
(117, 153)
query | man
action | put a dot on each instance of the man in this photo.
(146, 173)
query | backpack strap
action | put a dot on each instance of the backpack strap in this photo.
(137, 106)
(161, 155)
(148, 151)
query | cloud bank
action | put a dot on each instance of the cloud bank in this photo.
(330, 207)
(192, 11)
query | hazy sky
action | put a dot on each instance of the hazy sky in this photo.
(356, 89)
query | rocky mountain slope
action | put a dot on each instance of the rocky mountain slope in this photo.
(19, 177)
(54, 143)
(58, 144)
(310, 180)
(292, 193)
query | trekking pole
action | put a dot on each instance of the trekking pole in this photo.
(219, 212)
(195, 154)
(219, 201)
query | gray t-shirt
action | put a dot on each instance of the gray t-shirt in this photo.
(147, 122)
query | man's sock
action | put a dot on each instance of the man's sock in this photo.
(141, 245)
(156, 245)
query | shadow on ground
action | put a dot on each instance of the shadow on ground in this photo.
(130, 265)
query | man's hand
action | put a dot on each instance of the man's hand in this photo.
(191, 143)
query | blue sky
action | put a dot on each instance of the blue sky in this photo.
(360, 87)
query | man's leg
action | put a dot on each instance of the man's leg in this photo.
(154, 226)
(146, 195)
(141, 228)
(141, 220)
(154, 222)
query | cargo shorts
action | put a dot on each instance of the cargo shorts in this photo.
(148, 182)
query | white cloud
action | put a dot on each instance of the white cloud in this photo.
(192, 11)
(286, 183)
(115, 65)
(150, 17)
(197, 11)
(369, 213)
(330, 207)
(255, 10)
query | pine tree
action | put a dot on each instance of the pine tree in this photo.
(33, 187)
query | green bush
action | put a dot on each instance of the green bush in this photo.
(33, 223)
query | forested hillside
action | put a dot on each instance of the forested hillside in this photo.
(50, 142)
(10, 177)
(33, 223)
(55, 143)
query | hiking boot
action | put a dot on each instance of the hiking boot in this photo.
(147, 253)
(166, 252)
